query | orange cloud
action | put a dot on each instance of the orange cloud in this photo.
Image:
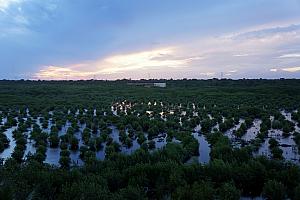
(115, 64)
(291, 69)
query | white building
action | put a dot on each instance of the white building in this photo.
(163, 85)
(158, 84)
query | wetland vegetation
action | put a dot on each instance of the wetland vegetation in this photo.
(194, 139)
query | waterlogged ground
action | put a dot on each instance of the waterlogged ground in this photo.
(12, 144)
(204, 149)
(287, 143)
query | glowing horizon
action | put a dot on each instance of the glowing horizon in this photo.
(111, 40)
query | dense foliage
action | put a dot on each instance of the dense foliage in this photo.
(37, 113)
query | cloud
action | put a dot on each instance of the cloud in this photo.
(266, 33)
(21, 20)
(286, 69)
(140, 60)
(291, 69)
(145, 60)
(13, 22)
(273, 70)
(5, 4)
(293, 55)
(88, 37)
(56, 72)
(209, 74)
(26, 15)
(205, 57)
(241, 55)
(257, 50)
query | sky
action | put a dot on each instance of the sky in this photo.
(116, 39)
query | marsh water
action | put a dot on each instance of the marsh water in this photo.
(204, 150)
(287, 144)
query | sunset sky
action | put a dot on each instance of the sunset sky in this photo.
(112, 39)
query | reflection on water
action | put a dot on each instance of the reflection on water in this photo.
(53, 156)
(252, 131)
(100, 155)
(135, 146)
(12, 144)
(288, 116)
(287, 144)
(30, 148)
(204, 149)
(160, 141)
(75, 158)
(264, 148)
(229, 133)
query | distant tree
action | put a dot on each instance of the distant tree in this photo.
(274, 190)
(297, 193)
(196, 191)
(74, 143)
(229, 192)
(54, 140)
(65, 153)
(273, 143)
(128, 142)
(65, 161)
(131, 192)
(277, 153)
(6, 192)
(151, 144)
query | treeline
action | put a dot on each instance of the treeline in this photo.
(147, 173)
(256, 93)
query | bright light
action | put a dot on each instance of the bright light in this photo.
(159, 58)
